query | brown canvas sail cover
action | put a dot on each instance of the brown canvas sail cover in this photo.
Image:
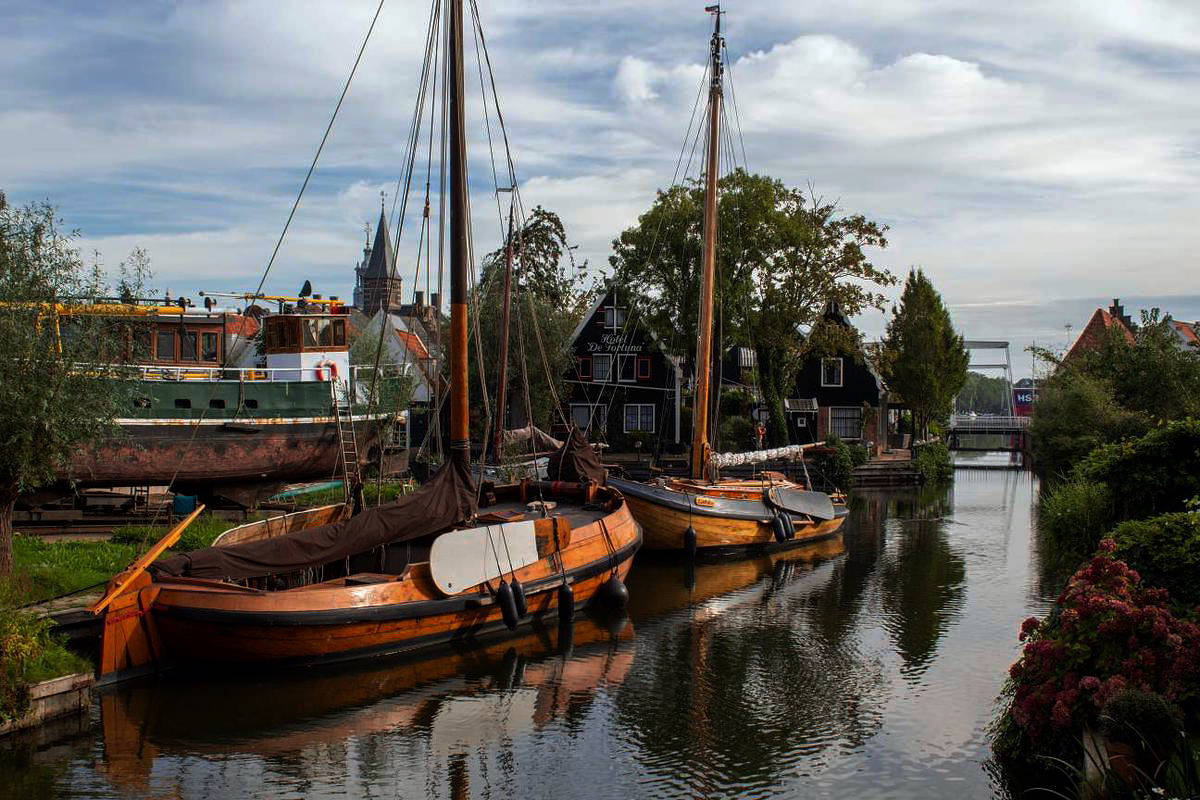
(576, 461)
(447, 499)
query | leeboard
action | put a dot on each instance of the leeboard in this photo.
(459, 560)
(798, 501)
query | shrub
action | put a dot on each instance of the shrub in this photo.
(933, 462)
(1110, 634)
(1074, 516)
(737, 434)
(29, 654)
(1165, 550)
(837, 464)
(1153, 474)
(1075, 413)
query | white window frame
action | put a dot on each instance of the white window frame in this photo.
(614, 318)
(593, 417)
(642, 408)
(841, 373)
(622, 359)
(608, 373)
(858, 434)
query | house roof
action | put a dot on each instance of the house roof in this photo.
(1094, 332)
(1188, 332)
(241, 325)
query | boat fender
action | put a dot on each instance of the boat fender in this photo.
(518, 592)
(613, 592)
(689, 541)
(781, 525)
(566, 604)
(508, 607)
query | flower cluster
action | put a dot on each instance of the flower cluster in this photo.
(1112, 633)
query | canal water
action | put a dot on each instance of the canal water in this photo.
(866, 667)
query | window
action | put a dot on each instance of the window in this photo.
(141, 345)
(583, 415)
(309, 327)
(187, 346)
(601, 366)
(183, 402)
(164, 345)
(639, 417)
(846, 423)
(831, 372)
(614, 318)
(217, 403)
(643, 368)
(339, 333)
(626, 369)
(208, 347)
(585, 368)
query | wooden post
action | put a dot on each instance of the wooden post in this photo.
(700, 448)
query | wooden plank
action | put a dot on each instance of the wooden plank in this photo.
(139, 566)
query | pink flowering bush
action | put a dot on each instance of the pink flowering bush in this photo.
(1110, 633)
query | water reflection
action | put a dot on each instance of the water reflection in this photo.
(865, 666)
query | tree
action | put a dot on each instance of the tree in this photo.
(63, 386)
(549, 294)
(781, 256)
(984, 394)
(923, 359)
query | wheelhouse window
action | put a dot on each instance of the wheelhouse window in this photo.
(164, 345)
(627, 369)
(209, 347)
(601, 366)
(846, 423)
(187, 346)
(831, 372)
(639, 417)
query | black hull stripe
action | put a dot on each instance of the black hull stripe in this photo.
(391, 612)
(724, 508)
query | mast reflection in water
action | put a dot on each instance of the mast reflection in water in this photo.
(866, 667)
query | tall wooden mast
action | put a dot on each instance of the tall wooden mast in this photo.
(460, 435)
(700, 448)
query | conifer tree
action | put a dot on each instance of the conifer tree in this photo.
(923, 359)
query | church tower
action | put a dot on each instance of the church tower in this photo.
(374, 286)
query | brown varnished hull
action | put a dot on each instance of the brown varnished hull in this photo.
(179, 619)
(663, 529)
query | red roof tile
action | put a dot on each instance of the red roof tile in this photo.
(1093, 333)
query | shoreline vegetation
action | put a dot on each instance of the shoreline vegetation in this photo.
(1115, 665)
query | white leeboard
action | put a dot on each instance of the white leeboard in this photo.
(462, 559)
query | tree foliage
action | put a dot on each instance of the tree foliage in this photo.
(923, 359)
(1119, 389)
(782, 255)
(63, 386)
(549, 294)
(984, 394)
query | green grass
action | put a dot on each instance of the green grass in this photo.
(54, 662)
(200, 533)
(388, 492)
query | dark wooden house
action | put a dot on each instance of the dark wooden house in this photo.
(838, 392)
(622, 387)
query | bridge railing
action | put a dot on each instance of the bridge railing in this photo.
(965, 423)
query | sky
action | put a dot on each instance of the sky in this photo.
(1035, 159)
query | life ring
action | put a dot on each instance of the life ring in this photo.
(321, 367)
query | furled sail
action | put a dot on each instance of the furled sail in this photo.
(791, 451)
(576, 460)
(447, 499)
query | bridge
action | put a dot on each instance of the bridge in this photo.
(1004, 432)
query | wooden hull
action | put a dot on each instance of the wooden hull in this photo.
(171, 620)
(726, 526)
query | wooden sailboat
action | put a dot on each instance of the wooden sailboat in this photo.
(450, 562)
(699, 513)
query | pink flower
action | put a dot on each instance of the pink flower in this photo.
(1090, 683)
(1107, 546)
(1029, 626)
(1061, 715)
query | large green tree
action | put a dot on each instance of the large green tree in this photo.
(549, 294)
(923, 359)
(63, 386)
(782, 254)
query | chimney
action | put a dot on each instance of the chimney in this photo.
(435, 300)
(418, 299)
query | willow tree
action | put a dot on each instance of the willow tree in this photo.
(923, 359)
(782, 255)
(61, 390)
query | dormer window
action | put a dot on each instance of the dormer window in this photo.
(614, 318)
